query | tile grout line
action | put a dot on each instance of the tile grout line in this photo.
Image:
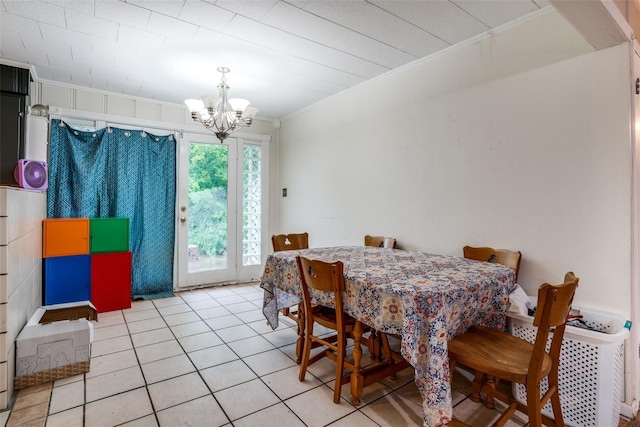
(248, 367)
(191, 361)
(260, 377)
(135, 352)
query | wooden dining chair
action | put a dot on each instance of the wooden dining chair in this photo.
(322, 276)
(505, 257)
(501, 356)
(287, 242)
(325, 277)
(380, 241)
(500, 256)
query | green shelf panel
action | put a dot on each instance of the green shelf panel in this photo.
(109, 235)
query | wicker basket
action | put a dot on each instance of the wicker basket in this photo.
(49, 375)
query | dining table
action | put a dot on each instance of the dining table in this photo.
(424, 298)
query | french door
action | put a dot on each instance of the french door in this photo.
(222, 209)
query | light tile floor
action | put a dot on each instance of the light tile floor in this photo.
(207, 358)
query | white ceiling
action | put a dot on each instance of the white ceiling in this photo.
(283, 55)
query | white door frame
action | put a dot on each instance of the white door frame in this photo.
(632, 379)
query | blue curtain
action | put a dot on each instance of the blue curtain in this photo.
(115, 172)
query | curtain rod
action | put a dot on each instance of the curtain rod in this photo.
(106, 120)
(56, 112)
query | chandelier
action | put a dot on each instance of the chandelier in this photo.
(220, 115)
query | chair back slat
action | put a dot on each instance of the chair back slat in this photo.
(320, 275)
(478, 253)
(509, 258)
(561, 297)
(380, 241)
(554, 303)
(500, 256)
(287, 242)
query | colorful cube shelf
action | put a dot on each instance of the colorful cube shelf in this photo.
(111, 281)
(65, 236)
(67, 279)
(87, 259)
(109, 235)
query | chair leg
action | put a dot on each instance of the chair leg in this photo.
(300, 320)
(340, 354)
(555, 399)
(491, 386)
(306, 352)
(477, 386)
(557, 410)
(356, 379)
(386, 352)
(534, 409)
(373, 345)
(452, 369)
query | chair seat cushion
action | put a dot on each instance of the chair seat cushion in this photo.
(495, 353)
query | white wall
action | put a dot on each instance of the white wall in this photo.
(504, 143)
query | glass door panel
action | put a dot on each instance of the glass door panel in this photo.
(208, 207)
(222, 213)
(206, 211)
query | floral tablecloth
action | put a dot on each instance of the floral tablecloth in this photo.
(425, 298)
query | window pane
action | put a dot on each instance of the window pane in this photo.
(252, 205)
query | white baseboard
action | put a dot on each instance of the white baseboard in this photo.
(629, 411)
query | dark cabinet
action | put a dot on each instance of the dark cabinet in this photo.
(14, 80)
(12, 128)
(14, 89)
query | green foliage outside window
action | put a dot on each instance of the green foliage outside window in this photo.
(208, 198)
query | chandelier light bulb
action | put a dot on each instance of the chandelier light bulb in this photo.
(250, 112)
(238, 104)
(194, 105)
(211, 101)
